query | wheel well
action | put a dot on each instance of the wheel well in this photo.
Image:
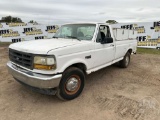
(80, 66)
(130, 51)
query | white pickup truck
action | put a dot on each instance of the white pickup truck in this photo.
(58, 66)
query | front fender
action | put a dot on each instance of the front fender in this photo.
(72, 62)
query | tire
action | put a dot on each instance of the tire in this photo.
(71, 84)
(126, 60)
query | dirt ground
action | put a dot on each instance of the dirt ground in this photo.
(109, 94)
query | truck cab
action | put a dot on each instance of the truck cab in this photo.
(61, 64)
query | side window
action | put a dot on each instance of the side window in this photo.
(108, 34)
(104, 32)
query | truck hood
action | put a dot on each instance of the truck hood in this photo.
(45, 45)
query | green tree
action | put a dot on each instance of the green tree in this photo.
(111, 21)
(9, 19)
(33, 22)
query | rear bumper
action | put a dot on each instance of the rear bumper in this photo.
(34, 79)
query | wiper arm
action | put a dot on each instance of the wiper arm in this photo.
(55, 37)
(73, 37)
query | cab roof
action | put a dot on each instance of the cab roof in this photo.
(88, 23)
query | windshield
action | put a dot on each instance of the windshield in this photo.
(76, 31)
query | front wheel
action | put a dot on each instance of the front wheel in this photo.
(72, 84)
(126, 60)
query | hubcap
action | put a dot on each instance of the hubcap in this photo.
(72, 84)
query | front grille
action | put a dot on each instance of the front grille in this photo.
(21, 58)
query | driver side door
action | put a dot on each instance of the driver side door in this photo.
(104, 53)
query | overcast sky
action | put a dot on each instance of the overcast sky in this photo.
(64, 11)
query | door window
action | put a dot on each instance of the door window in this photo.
(104, 32)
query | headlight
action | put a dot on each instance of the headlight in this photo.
(46, 63)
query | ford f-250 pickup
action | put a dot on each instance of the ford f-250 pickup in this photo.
(58, 66)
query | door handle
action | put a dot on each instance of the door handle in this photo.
(112, 45)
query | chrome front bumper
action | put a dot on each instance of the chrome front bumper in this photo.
(34, 79)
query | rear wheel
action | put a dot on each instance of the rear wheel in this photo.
(126, 60)
(72, 84)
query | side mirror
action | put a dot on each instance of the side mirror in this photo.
(107, 40)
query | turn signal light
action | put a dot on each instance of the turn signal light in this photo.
(44, 67)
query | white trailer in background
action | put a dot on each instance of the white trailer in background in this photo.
(158, 45)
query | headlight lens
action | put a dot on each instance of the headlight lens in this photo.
(46, 63)
(44, 60)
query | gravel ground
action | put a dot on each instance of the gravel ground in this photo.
(109, 94)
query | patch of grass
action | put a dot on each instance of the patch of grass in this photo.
(148, 51)
(4, 44)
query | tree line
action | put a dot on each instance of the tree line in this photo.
(10, 19)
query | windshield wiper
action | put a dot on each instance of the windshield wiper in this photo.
(73, 37)
(55, 37)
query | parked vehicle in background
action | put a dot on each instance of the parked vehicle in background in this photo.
(59, 65)
(158, 44)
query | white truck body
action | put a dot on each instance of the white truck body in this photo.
(90, 54)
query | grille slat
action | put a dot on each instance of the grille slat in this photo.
(21, 58)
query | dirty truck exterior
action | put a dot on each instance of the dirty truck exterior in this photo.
(61, 64)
